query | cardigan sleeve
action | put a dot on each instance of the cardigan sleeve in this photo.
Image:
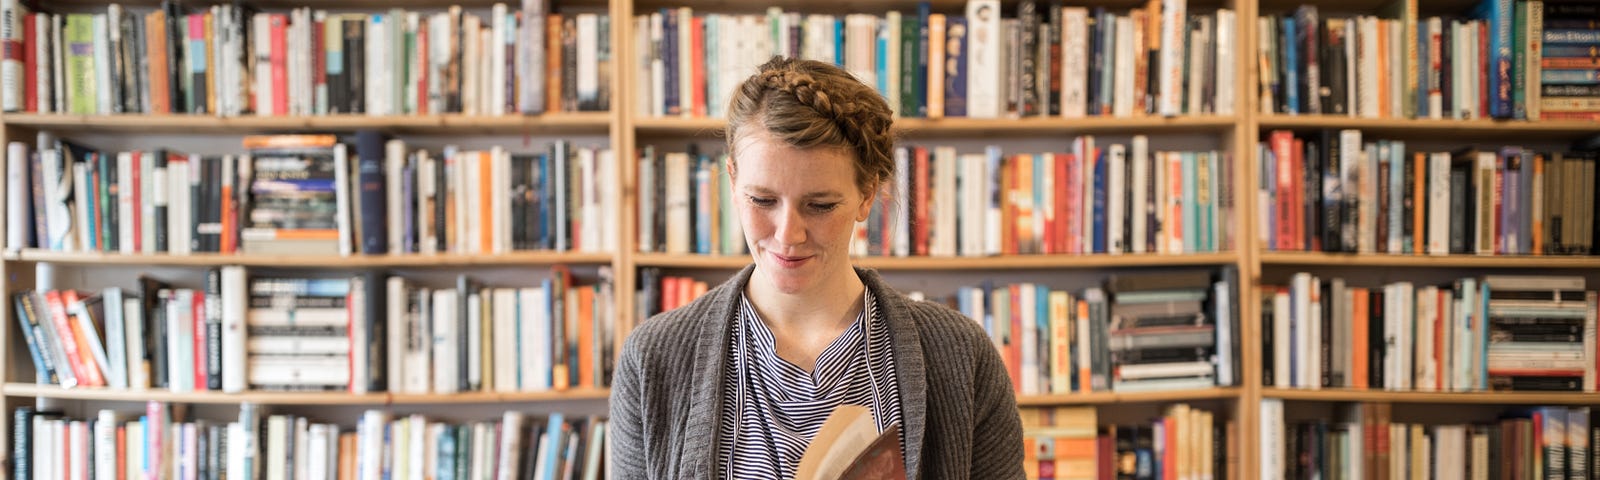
(997, 428)
(626, 431)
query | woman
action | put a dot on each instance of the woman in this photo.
(735, 384)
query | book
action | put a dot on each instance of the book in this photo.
(849, 446)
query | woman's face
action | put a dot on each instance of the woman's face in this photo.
(798, 209)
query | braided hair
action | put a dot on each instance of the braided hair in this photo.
(808, 104)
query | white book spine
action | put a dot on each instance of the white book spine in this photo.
(474, 367)
(262, 31)
(983, 58)
(396, 331)
(446, 342)
(1225, 61)
(342, 198)
(686, 61)
(125, 207)
(394, 165)
(1074, 61)
(589, 240)
(235, 305)
(1122, 91)
(1171, 61)
(18, 216)
(1137, 208)
(497, 59)
(12, 13)
(102, 64)
(1030, 340)
(506, 338)
(588, 39)
(944, 232)
(1281, 347)
(974, 206)
(994, 157)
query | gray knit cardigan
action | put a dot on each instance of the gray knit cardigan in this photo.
(960, 417)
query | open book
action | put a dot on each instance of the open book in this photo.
(849, 447)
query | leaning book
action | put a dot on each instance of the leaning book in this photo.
(850, 447)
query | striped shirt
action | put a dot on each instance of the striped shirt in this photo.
(772, 408)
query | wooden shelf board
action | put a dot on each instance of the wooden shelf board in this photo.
(1108, 398)
(871, 6)
(353, 261)
(975, 126)
(582, 122)
(1508, 398)
(1062, 262)
(1427, 261)
(296, 398)
(1449, 129)
(354, 5)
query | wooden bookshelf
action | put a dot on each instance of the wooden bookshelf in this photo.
(595, 123)
(314, 261)
(1307, 259)
(1452, 130)
(1115, 398)
(1490, 398)
(296, 398)
(981, 126)
(1032, 262)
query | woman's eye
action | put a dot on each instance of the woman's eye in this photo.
(762, 201)
(824, 207)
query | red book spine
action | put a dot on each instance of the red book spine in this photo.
(1298, 197)
(1282, 144)
(1013, 358)
(1483, 74)
(30, 63)
(200, 351)
(1169, 452)
(319, 62)
(1072, 198)
(697, 39)
(280, 68)
(1061, 198)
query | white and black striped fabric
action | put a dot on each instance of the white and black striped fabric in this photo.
(772, 409)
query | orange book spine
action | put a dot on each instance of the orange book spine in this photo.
(1008, 210)
(211, 91)
(1536, 210)
(422, 69)
(1297, 223)
(1360, 336)
(920, 188)
(1084, 370)
(1383, 70)
(156, 45)
(485, 165)
(1174, 222)
(1062, 199)
(1027, 239)
(347, 456)
(586, 353)
(1013, 340)
(552, 63)
(1419, 194)
(122, 453)
(230, 227)
(1169, 454)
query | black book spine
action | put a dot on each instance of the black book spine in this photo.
(1311, 208)
(1267, 344)
(1332, 194)
(213, 312)
(109, 190)
(370, 153)
(1408, 203)
(156, 336)
(1376, 343)
(465, 289)
(1308, 30)
(22, 443)
(1446, 65)
(1381, 227)
(175, 44)
(1330, 377)
(355, 65)
(377, 331)
(1096, 63)
(441, 192)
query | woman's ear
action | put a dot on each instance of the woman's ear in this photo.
(865, 210)
(730, 167)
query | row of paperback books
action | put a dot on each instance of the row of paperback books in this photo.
(231, 60)
(305, 194)
(162, 442)
(1364, 441)
(1333, 192)
(1522, 59)
(1043, 61)
(1184, 442)
(1141, 332)
(363, 334)
(1096, 198)
(659, 293)
(1497, 332)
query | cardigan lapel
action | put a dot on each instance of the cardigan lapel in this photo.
(699, 452)
(909, 368)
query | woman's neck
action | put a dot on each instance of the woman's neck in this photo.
(830, 306)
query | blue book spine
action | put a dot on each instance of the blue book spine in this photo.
(881, 60)
(1291, 62)
(1497, 13)
(1106, 60)
(1099, 213)
(1571, 76)
(541, 185)
(669, 61)
(712, 36)
(1424, 69)
(32, 335)
(703, 207)
(921, 76)
(374, 196)
(838, 41)
(1397, 194)
(409, 215)
(555, 431)
(1041, 316)
(955, 80)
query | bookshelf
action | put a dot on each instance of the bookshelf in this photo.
(627, 131)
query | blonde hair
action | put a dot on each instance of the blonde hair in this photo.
(809, 104)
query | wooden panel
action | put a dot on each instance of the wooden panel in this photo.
(1108, 398)
(1299, 259)
(921, 127)
(586, 123)
(1479, 130)
(1062, 262)
(295, 398)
